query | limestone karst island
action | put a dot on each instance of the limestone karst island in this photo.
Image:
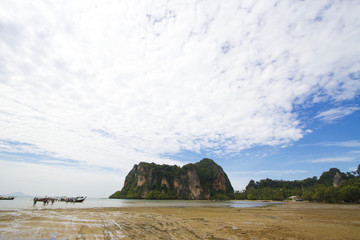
(206, 180)
(202, 180)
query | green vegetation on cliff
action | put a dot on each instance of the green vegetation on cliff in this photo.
(202, 180)
(209, 171)
(153, 186)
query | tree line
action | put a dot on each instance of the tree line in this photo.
(333, 186)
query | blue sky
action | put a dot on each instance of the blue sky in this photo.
(268, 89)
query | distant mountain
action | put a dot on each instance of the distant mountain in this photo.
(16, 194)
(202, 180)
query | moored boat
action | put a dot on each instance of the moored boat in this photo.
(73, 199)
(64, 199)
(45, 200)
(80, 199)
(7, 198)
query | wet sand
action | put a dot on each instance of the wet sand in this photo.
(283, 221)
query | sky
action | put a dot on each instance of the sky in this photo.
(267, 89)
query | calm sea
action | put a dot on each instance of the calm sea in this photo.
(20, 203)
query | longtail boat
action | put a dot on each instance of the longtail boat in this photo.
(7, 198)
(80, 199)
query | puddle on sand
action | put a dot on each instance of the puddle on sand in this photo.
(53, 235)
(253, 223)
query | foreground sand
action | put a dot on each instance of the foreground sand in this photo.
(284, 221)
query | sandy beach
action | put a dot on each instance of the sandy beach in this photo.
(283, 221)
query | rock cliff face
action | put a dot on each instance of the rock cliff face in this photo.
(337, 181)
(332, 177)
(202, 180)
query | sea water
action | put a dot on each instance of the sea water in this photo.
(21, 203)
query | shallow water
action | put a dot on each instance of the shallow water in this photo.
(27, 203)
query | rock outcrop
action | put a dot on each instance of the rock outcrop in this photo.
(202, 180)
(337, 181)
(332, 177)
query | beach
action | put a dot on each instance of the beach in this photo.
(292, 220)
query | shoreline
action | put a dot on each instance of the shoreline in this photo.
(27, 203)
(289, 220)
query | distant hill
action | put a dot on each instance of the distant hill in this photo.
(332, 186)
(202, 180)
(16, 194)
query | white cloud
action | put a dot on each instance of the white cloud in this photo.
(114, 83)
(336, 113)
(352, 143)
(270, 172)
(332, 159)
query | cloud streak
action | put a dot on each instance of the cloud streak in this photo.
(269, 172)
(332, 160)
(336, 113)
(114, 84)
(349, 144)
